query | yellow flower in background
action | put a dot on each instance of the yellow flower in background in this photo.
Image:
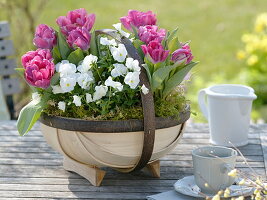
(227, 193)
(216, 197)
(240, 198)
(242, 182)
(252, 60)
(261, 23)
(241, 55)
(233, 173)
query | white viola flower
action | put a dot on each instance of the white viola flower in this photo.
(62, 106)
(118, 28)
(105, 41)
(66, 68)
(119, 53)
(87, 63)
(132, 64)
(119, 70)
(77, 100)
(56, 89)
(100, 91)
(116, 85)
(67, 83)
(144, 89)
(132, 79)
(89, 98)
(60, 63)
(85, 79)
(36, 97)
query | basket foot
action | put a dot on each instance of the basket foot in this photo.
(154, 168)
(93, 174)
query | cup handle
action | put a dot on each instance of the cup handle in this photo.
(202, 103)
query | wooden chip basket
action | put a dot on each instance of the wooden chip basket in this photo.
(125, 145)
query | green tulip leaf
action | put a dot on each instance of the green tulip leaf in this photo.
(63, 46)
(177, 78)
(76, 56)
(28, 116)
(148, 73)
(56, 54)
(173, 44)
(172, 35)
(160, 75)
(55, 79)
(93, 44)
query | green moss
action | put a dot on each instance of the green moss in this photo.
(172, 106)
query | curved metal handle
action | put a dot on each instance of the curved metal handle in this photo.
(202, 103)
(147, 101)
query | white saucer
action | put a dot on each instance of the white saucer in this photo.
(187, 186)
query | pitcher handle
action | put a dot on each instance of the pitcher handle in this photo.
(202, 103)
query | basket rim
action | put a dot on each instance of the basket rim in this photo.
(110, 126)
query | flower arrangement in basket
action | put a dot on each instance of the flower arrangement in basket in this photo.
(107, 81)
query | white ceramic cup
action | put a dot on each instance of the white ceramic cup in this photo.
(211, 167)
(227, 108)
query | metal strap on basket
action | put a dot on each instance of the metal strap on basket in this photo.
(147, 102)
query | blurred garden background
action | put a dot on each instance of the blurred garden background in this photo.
(215, 29)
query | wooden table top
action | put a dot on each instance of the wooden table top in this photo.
(30, 169)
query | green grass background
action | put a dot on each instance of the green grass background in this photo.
(214, 28)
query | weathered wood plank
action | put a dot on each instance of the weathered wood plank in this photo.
(4, 29)
(30, 169)
(11, 86)
(70, 194)
(85, 188)
(7, 67)
(6, 48)
(264, 149)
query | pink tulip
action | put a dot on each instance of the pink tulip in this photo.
(182, 54)
(137, 19)
(155, 51)
(148, 33)
(39, 68)
(45, 37)
(74, 19)
(39, 54)
(79, 37)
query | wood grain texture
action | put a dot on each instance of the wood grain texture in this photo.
(4, 29)
(10, 86)
(6, 48)
(7, 67)
(30, 169)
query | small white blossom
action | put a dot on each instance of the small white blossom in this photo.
(85, 79)
(132, 64)
(87, 63)
(132, 79)
(36, 97)
(114, 84)
(106, 41)
(62, 106)
(144, 89)
(89, 98)
(100, 91)
(77, 100)
(66, 68)
(118, 28)
(56, 89)
(119, 53)
(68, 83)
(119, 70)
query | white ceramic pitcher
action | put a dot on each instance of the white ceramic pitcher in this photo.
(227, 107)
